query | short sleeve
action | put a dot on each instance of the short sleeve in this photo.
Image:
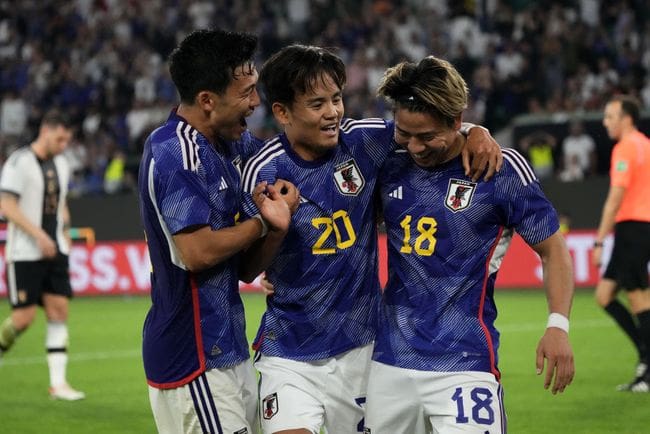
(253, 175)
(12, 179)
(621, 165)
(524, 204)
(183, 200)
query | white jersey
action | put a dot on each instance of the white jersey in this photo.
(24, 175)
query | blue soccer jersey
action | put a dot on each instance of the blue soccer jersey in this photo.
(196, 321)
(447, 237)
(325, 274)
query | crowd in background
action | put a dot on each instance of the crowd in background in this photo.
(104, 61)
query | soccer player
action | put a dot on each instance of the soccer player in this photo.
(195, 352)
(34, 188)
(627, 212)
(315, 338)
(434, 365)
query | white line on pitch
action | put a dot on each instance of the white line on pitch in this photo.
(73, 357)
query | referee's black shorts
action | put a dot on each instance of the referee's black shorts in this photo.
(628, 265)
(28, 280)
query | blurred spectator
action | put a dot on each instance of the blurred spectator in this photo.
(116, 179)
(578, 154)
(539, 147)
(105, 60)
(13, 115)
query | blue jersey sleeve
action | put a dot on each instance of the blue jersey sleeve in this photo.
(261, 167)
(526, 208)
(183, 199)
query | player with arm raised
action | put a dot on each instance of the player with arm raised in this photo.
(435, 360)
(315, 338)
(194, 342)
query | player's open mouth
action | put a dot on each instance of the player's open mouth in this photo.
(242, 122)
(330, 130)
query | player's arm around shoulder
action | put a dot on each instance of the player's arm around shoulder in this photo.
(481, 154)
(554, 345)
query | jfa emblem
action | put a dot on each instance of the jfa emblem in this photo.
(459, 194)
(270, 406)
(348, 178)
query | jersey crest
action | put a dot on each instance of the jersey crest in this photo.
(459, 194)
(270, 406)
(348, 178)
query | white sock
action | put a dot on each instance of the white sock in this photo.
(56, 343)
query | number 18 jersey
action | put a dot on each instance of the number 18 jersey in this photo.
(447, 237)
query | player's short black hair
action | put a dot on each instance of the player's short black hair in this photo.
(207, 60)
(55, 118)
(296, 69)
(630, 106)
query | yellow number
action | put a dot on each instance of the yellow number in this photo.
(317, 248)
(347, 223)
(427, 227)
(406, 225)
(330, 225)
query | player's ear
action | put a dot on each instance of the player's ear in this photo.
(205, 100)
(457, 121)
(281, 113)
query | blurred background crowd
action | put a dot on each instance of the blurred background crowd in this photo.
(104, 62)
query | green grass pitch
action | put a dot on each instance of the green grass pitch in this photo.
(105, 363)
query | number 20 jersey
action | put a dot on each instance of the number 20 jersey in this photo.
(325, 274)
(447, 237)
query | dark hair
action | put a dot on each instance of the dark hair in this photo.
(296, 69)
(55, 118)
(207, 60)
(431, 86)
(629, 106)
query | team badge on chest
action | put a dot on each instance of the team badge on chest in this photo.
(459, 194)
(348, 178)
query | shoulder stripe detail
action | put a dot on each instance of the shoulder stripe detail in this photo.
(350, 124)
(520, 165)
(181, 140)
(271, 150)
(195, 145)
(349, 121)
(187, 139)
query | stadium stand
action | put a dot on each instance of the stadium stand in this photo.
(104, 60)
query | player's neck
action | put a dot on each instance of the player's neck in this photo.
(197, 119)
(455, 149)
(627, 130)
(40, 149)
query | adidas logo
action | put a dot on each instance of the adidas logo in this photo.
(397, 193)
(223, 184)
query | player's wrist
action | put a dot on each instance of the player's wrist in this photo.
(559, 321)
(598, 244)
(467, 127)
(265, 226)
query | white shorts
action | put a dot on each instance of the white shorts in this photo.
(219, 401)
(420, 402)
(309, 395)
